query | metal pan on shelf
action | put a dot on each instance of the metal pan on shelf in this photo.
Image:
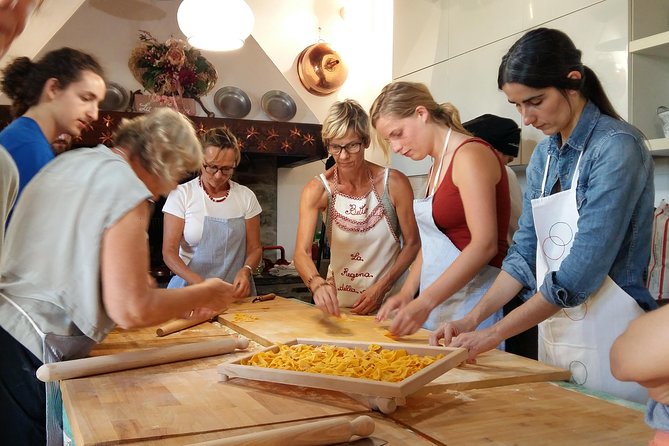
(232, 102)
(278, 105)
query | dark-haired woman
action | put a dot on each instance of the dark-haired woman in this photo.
(212, 224)
(57, 94)
(582, 246)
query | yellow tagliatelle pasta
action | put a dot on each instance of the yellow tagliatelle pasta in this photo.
(241, 317)
(375, 363)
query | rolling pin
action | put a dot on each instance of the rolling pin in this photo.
(323, 432)
(136, 359)
(179, 324)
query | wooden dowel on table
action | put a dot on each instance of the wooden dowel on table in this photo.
(322, 432)
(136, 359)
(179, 324)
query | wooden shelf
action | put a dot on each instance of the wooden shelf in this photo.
(291, 143)
(655, 45)
(659, 147)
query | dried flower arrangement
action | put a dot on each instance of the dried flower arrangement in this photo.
(173, 68)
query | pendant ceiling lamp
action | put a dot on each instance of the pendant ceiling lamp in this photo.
(215, 25)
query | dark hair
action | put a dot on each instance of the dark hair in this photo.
(543, 58)
(23, 80)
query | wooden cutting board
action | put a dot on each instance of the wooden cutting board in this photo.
(281, 320)
(120, 340)
(131, 406)
(524, 414)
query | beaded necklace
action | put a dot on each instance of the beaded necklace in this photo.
(214, 199)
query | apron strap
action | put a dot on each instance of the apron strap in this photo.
(441, 163)
(574, 178)
(543, 182)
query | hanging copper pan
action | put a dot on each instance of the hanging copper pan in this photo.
(320, 69)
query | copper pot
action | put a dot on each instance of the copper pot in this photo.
(320, 69)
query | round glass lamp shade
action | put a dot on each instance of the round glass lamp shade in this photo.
(215, 25)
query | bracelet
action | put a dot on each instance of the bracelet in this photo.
(310, 279)
(324, 282)
(249, 268)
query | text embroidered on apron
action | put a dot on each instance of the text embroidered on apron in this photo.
(438, 254)
(579, 338)
(363, 244)
(56, 348)
(221, 252)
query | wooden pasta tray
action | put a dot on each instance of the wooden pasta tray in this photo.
(381, 395)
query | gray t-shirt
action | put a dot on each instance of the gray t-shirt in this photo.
(50, 263)
(9, 187)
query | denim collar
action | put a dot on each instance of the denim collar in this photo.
(581, 134)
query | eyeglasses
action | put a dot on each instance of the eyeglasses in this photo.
(352, 147)
(213, 170)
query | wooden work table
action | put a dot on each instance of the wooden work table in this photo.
(504, 399)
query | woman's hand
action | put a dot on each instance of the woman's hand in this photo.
(221, 295)
(370, 300)
(477, 342)
(242, 283)
(409, 318)
(392, 304)
(325, 298)
(449, 330)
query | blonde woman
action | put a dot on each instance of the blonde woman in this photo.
(370, 223)
(75, 262)
(463, 219)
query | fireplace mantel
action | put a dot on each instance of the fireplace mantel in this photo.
(292, 144)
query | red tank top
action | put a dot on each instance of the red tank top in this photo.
(448, 211)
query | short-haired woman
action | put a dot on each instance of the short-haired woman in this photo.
(370, 223)
(211, 225)
(76, 260)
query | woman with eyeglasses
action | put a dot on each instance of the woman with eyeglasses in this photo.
(463, 219)
(369, 219)
(211, 225)
(75, 263)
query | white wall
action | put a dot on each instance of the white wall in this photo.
(362, 36)
(460, 66)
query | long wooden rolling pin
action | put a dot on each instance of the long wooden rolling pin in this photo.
(136, 359)
(323, 432)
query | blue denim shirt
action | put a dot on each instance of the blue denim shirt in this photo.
(614, 195)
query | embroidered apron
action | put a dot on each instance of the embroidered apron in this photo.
(438, 254)
(221, 252)
(363, 244)
(579, 338)
(57, 348)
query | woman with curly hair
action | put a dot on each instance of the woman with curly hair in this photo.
(76, 258)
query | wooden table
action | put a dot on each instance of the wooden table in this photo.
(500, 400)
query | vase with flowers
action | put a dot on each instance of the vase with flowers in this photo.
(170, 71)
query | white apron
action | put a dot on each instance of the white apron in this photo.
(56, 348)
(221, 252)
(438, 254)
(363, 245)
(579, 338)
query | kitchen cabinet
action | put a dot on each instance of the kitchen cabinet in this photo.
(649, 69)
